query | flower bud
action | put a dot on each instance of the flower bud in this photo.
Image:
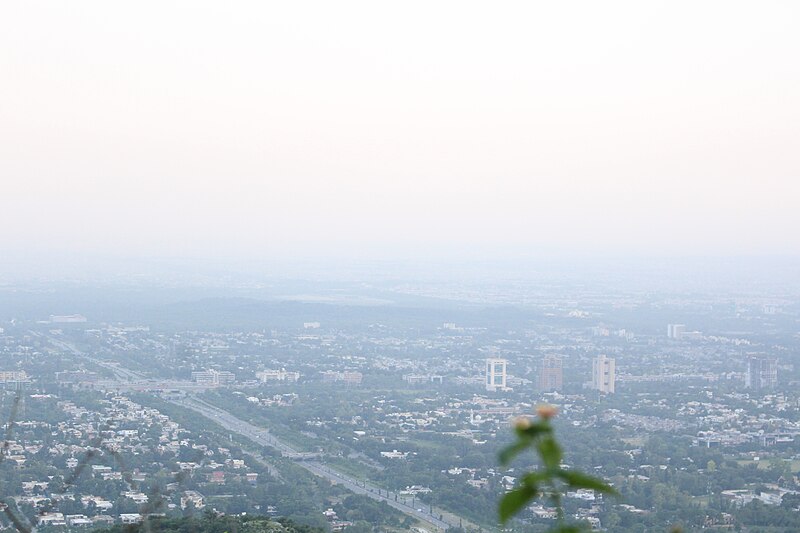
(546, 411)
(521, 422)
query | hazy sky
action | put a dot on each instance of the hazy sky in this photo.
(280, 128)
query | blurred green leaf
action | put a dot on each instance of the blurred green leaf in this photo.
(539, 435)
(511, 451)
(515, 500)
(535, 430)
(550, 452)
(579, 480)
(534, 478)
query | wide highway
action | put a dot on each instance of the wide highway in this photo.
(263, 437)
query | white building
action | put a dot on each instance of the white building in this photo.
(67, 319)
(52, 519)
(496, 374)
(762, 372)
(277, 375)
(604, 374)
(12, 376)
(130, 518)
(394, 454)
(416, 379)
(213, 377)
(675, 331)
(348, 378)
(197, 500)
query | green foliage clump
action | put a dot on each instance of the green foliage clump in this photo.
(212, 523)
(550, 481)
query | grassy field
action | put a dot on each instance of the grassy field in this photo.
(764, 464)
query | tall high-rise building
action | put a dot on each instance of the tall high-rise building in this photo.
(762, 372)
(551, 377)
(603, 374)
(675, 331)
(496, 374)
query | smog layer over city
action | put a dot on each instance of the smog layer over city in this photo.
(363, 267)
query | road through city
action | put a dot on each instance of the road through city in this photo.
(125, 378)
(263, 437)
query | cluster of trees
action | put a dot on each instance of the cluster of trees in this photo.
(430, 453)
(294, 492)
(291, 490)
(356, 507)
(210, 522)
